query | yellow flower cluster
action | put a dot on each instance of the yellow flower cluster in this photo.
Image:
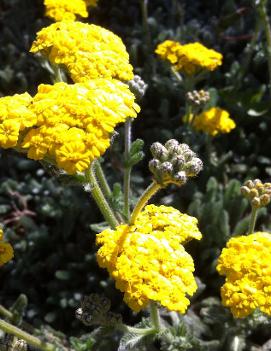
(189, 58)
(148, 260)
(62, 10)
(15, 117)
(246, 264)
(86, 51)
(6, 250)
(71, 124)
(214, 121)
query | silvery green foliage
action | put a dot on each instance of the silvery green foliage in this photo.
(132, 341)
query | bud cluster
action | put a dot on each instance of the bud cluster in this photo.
(138, 87)
(257, 193)
(198, 97)
(173, 163)
(95, 310)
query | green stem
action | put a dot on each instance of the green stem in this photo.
(177, 75)
(5, 313)
(253, 219)
(127, 169)
(99, 198)
(267, 28)
(30, 339)
(155, 318)
(145, 24)
(145, 197)
(102, 180)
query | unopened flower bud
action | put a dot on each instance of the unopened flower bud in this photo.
(193, 167)
(188, 155)
(253, 193)
(166, 169)
(159, 151)
(265, 200)
(178, 162)
(19, 345)
(154, 165)
(181, 177)
(245, 190)
(172, 144)
(249, 183)
(183, 148)
(256, 202)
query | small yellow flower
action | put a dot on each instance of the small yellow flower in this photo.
(147, 259)
(9, 133)
(189, 58)
(246, 264)
(87, 51)
(6, 250)
(214, 121)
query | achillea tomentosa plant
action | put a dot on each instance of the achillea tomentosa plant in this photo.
(70, 126)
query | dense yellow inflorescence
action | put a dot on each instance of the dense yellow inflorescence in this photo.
(69, 125)
(246, 264)
(63, 10)
(214, 121)
(87, 51)
(6, 250)
(189, 58)
(147, 259)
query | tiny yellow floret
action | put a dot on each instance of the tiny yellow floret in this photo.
(214, 121)
(86, 51)
(147, 259)
(246, 264)
(190, 58)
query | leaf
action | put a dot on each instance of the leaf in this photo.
(129, 341)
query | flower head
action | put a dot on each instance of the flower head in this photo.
(148, 260)
(6, 250)
(61, 10)
(246, 264)
(86, 51)
(214, 121)
(189, 58)
(75, 122)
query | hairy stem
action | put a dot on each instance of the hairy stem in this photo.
(127, 168)
(253, 219)
(143, 200)
(155, 317)
(21, 334)
(99, 198)
(102, 180)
